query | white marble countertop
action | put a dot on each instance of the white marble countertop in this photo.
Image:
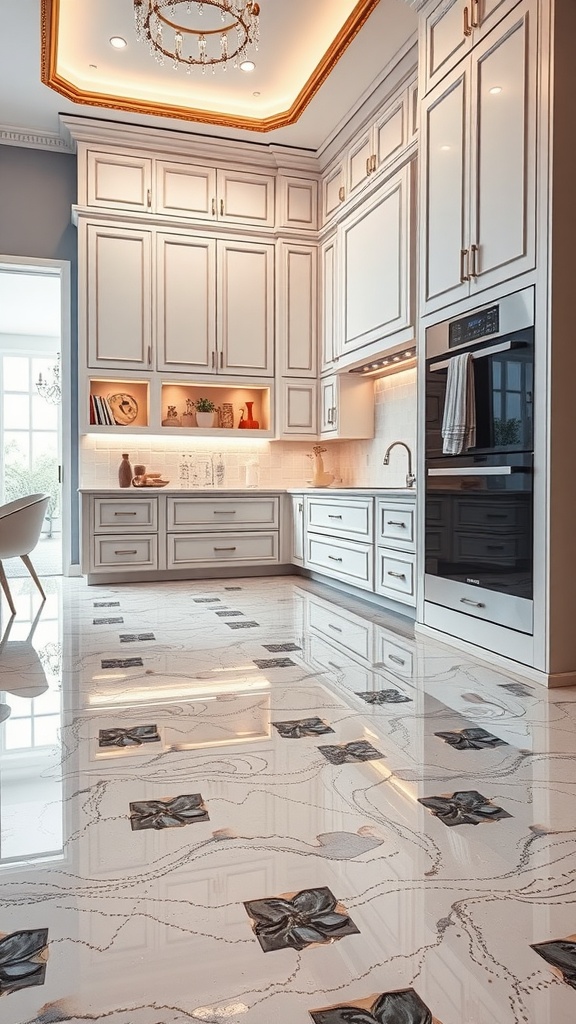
(132, 492)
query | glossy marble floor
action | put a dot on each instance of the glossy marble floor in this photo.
(256, 801)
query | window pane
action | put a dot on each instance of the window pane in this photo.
(16, 449)
(18, 733)
(44, 414)
(47, 702)
(21, 708)
(45, 443)
(46, 730)
(514, 376)
(15, 373)
(16, 412)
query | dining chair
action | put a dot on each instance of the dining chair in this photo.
(20, 525)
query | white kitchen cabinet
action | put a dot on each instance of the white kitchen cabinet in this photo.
(378, 144)
(245, 197)
(375, 268)
(297, 203)
(245, 308)
(333, 190)
(297, 505)
(185, 302)
(184, 189)
(297, 305)
(359, 161)
(115, 295)
(479, 166)
(346, 407)
(395, 569)
(329, 310)
(119, 181)
(451, 31)
(298, 408)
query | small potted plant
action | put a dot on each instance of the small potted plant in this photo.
(205, 410)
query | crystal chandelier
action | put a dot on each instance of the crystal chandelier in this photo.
(198, 47)
(49, 386)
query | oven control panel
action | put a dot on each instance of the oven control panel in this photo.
(474, 327)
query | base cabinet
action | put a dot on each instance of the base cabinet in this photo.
(226, 548)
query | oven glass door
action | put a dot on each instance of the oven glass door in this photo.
(504, 391)
(479, 524)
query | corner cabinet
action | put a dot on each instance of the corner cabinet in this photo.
(479, 166)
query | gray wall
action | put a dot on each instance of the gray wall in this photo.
(37, 189)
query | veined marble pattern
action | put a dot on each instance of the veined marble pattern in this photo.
(463, 925)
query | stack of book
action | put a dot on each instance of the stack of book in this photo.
(100, 412)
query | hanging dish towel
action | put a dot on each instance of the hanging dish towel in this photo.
(459, 422)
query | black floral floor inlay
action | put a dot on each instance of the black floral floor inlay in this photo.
(23, 960)
(277, 648)
(296, 728)
(518, 689)
(348, 753)
(232, 588)
(468, 807)
(106, 604)
(133, 737)
(248, 624)
(122, 663)
(206, 600)
(229, 614)
(180, 810)
(561, 954)
(274, 662)
(471, 739)
(384, 697)
(107, 622)
(401, 1007)
(296, 921)
(131, 638)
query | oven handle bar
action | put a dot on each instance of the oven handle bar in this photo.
(480, 471)
(506, 346)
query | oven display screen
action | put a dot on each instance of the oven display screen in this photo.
(471, 328)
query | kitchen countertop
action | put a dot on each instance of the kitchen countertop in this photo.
(135, 492)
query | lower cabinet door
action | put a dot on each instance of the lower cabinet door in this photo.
(347, 560)
(185, 550)
(396, 576)
(125, 552)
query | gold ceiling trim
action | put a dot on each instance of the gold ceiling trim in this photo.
(50, 13)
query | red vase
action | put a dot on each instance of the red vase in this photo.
(250, 423)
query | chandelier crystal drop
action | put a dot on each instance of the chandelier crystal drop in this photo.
(160, 24)
(48, 387)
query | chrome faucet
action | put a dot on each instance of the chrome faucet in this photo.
(410, 478)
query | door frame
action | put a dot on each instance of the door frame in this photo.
(61, 269)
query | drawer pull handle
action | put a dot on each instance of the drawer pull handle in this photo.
(228, 512)
(334, 559)
(496, 515)
(134, 552)
(395, 522)
(397, 575)
(334, 517)
(396, 659)
(475, 604)
(335, 628)
(125, 513)
(224, 549)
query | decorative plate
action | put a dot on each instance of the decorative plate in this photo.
(124, 408)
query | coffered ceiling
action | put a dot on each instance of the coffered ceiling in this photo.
(316, 59)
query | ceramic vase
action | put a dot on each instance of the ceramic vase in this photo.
(125, 472)
(249, 423)
(205, 419)
(320, 477)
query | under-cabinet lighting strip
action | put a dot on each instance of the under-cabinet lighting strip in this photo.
(388, 364)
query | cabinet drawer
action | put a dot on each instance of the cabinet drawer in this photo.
(396, 576)
(125, 513)
(396, 525)
(350, 517)
(221, 549)
(354, 635)
(347, 560)
(221, 513)
(125, 551)
(394, 656)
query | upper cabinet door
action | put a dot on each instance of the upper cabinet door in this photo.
(333, 191)
(390, 132)
(119, 182)
(116, 296)
(185, 190)
(297, 203)
(186, 303)
(444, 254)
(503, 194)
(448, 39)
(375, 259)
(329, 313)
(487, 13)
(297, 305)
(246, 198)
(360, 162)
(245, 308)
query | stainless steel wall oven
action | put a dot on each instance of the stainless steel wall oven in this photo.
(479, 503)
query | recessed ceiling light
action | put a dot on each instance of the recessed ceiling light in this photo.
(118, 42)
(247, 65)
(495, 90)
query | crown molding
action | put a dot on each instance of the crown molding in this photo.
(10, 135)
(50, 12)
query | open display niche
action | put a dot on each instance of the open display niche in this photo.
(178, 413)
(126, 401)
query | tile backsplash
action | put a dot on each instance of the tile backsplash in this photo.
(280, 463)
